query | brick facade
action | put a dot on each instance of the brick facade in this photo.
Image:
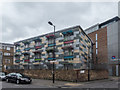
(102, 57)
(7, 56)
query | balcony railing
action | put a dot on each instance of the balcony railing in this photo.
(26, 60)
(68, 32)
(18, 50)
(27, 49)
(37, 59)
(49, 49)
(66, 57)
(38, 47)
(37, 39)
(67, 47)
(50, 36)
(17, 54)
(52, 44)
(51, 58)
(17, 44)
(69, 38)
(17, 61)
(67, 42)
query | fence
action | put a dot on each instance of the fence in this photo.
(65, 75)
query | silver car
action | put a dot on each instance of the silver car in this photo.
(2, 76)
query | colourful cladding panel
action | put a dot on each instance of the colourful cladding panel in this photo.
(51, 58)
(17, 61)
(38, 59)
(38, 47)
(50, 45)
(68, 57)
(69, 42)
(27, 49)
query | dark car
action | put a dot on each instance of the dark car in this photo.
(18, 78)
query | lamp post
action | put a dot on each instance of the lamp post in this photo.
(53, 70)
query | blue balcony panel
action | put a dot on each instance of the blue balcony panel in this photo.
(27, 49)
(18, 50)
(66, 57)
(50, 45)
(51, 58)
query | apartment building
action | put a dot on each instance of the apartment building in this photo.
(6, 56)
(73, 50)
(106, 51)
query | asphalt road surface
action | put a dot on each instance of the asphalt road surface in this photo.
(37, 83)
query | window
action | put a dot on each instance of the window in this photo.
(8, 48)
(67, 37)
(96, 45)
(17, 47)
(26, 57)
(96, 37)
(37, 55)
(38, 43)
(50, 41)
(7, 60)
(96, 51)
(3, 47)
(17, 57)
(50, 54)
(27, 45)
(68, 52)
(7, 54)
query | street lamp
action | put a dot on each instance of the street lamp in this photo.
(53, 73)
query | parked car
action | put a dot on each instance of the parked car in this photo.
(18, 78)
(2, 76)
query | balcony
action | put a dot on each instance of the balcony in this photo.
(38, 47)
(27, 49)
(18, 50)
(37, 51)
(51, 58)
(26, 53)
(26, 60)
(17, 54)
(67, 57)
(67, 47)
(37, 59)
(67, 42)
(37, 39)
(17, 61)
(26, 42)
(17, 44)
(52, 44)
(50, 36)
(50, 49)
(69, 32)
(68, 38)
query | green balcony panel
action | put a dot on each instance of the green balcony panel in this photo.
(38, 59)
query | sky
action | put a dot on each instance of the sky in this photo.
(22, 20)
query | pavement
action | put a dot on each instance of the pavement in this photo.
(112, 82)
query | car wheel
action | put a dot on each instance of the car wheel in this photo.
(7, 80)
(18, 81)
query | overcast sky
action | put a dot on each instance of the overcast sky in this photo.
(22, 20)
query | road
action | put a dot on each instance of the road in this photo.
(37, 83)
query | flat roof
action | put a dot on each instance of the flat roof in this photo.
(77, 26)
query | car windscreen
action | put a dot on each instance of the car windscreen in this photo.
(2, 74)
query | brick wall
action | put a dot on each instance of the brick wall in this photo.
(11, 51)
(102, 57)
(65, 75)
